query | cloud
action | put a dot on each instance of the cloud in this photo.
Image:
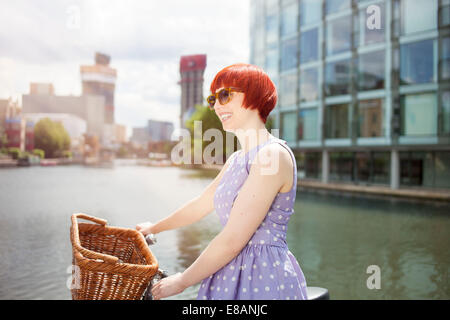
(48, 40)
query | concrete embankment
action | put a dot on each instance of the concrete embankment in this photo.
(441, 195)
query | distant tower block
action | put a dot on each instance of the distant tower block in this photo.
(191, 72)
(100, 79)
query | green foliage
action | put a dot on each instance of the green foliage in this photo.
(270, 123)
(3, 139)
(67, 154)
(167, 148)
(209, 120)
(24, 155)
(39, 152)
(14, 152)
(207, 116)
(51, 137)
(122, 152)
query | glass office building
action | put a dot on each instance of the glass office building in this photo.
(364, 87)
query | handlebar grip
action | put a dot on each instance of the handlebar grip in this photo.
(150, 239)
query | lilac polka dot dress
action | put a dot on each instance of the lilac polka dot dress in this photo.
(265, 269)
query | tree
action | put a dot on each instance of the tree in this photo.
(270, 123)
(40, 153)
(52, 137)
(209, 120)
(3, 138)
(122, 152)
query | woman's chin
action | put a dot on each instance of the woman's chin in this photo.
(227, 127)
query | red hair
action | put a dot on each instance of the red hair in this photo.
(259, 91)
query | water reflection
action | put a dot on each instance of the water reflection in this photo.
(192, 241)
(334, 236)
(195, 174)
(337, 237)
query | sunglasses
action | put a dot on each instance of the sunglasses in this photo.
(224, 96)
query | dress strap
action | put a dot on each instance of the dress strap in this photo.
(252, 155)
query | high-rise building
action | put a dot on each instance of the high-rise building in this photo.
(20, 133)
(100, 79)
(88, 107)
(155, 131)
(364, 87)
(4, 112)
(8, 109)
(140, 136)
(159, 130)
(120, 133)
(191, 73)
(41, 88)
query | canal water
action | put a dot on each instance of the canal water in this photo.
(334, 236)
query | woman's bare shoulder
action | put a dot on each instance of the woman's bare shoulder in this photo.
(274, 156)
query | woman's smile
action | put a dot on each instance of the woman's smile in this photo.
(225, 116)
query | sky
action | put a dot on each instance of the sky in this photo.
(47, 41)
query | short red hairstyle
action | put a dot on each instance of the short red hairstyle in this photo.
(259, 91)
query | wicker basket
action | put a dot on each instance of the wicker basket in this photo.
(111, 263)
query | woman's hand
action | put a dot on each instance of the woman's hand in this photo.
(145, 228)
(167, 287)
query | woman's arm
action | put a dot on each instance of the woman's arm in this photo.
(247, 213)
(190, 212)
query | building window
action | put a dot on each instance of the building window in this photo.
(442, 169)
(339, 33)
(271, 4)
(258, 41)
(444, 63)
(309, 164)
(370, 118)
(272, 28)
(419, 114)
(372, 167)
(374, 35)
(307, 127)
(341, 166)
(309, 45)
(365, 167)
(445, 102)
(362, 166)
(289, 126)
(417, 62)
(289, 50)
(309, 85)
(272, 57)
(333, 6)
(289, 19)
(313, 165)
(310, 12)
(275, 81)
(418, 15)
(425, 169)
(288, 89)
(337, 78)
(371, 71)
(444, 13)
(337, 123)
(381, 166)
(416, 168)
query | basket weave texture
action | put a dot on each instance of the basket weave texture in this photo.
(112, 263)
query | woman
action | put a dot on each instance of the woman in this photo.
(253, 195)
